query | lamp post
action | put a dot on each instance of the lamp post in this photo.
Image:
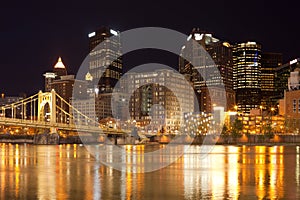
(272, 110)
(262, 119)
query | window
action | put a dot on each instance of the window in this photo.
(294, 105)
(298, 105)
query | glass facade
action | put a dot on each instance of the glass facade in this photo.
(247, 75)
(208, 65)
(282, 74)
(105, 64)
(270, 61)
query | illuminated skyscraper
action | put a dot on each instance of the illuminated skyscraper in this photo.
(215, 73)
(108, 54)
(247, 75)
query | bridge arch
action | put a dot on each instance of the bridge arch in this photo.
(47, 100)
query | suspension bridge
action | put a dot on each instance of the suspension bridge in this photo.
(48, 110)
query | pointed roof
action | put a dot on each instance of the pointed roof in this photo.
(88, 77)
(60, 64)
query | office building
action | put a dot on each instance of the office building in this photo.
(290, 104)
(247, 75)
(209, 67)
(105, 62)
(282, 74)
(159, 99)
(269, 63)
(63, 84)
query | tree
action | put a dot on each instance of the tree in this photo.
(268, 131)
(224, 130)
(225, 133)
(237, 128)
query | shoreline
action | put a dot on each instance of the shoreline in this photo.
(251, 140)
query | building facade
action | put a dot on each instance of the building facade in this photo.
(105, 62)
(247, 75)
(282, 74)
(269, 63)
(64, 85)
(159, 99)
(209, 67)
(290, 106)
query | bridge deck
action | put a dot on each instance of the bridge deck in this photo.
(60, 126)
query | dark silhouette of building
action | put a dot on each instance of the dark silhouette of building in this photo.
(269, 63)
(282, 73)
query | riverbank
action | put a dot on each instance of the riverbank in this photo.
(250, 140)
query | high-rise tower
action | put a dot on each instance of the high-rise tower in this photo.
(105, 64)
(247, 75)
(214, 62)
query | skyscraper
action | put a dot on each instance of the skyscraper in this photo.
(215, 73)
(269, 63)
(161, 97)
(247, 75)
(108, 54)
(282, 73)
(63, 85)
(59, 70)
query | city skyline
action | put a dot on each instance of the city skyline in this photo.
(50, 32)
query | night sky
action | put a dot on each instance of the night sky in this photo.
(34, 34)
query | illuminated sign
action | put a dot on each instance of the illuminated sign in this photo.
(293, 61)
(92, 34)
(113, 32)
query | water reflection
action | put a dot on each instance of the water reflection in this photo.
(229, 172)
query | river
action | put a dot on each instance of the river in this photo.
(228, 172)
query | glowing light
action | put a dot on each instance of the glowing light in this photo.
(92, 34)
(198, 36)
(113, 32)
(293, 61)
(50, 75)
(190, 36)
(226, 44)
(59, 64)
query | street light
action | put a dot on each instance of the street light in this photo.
(261, 119)
(272, 110)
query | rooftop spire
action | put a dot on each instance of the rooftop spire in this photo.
(59, 64)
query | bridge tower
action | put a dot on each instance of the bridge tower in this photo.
(44, 99)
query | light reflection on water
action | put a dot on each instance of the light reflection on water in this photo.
(229, 172)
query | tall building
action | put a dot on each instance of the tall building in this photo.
(7, 100)
(214, 73)
(59, 68)
(290, 104)
(269, 63)
(282, 73)
(108, 54)
(49, 78)
(160, 97)
(247, 75)
(63, 85)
